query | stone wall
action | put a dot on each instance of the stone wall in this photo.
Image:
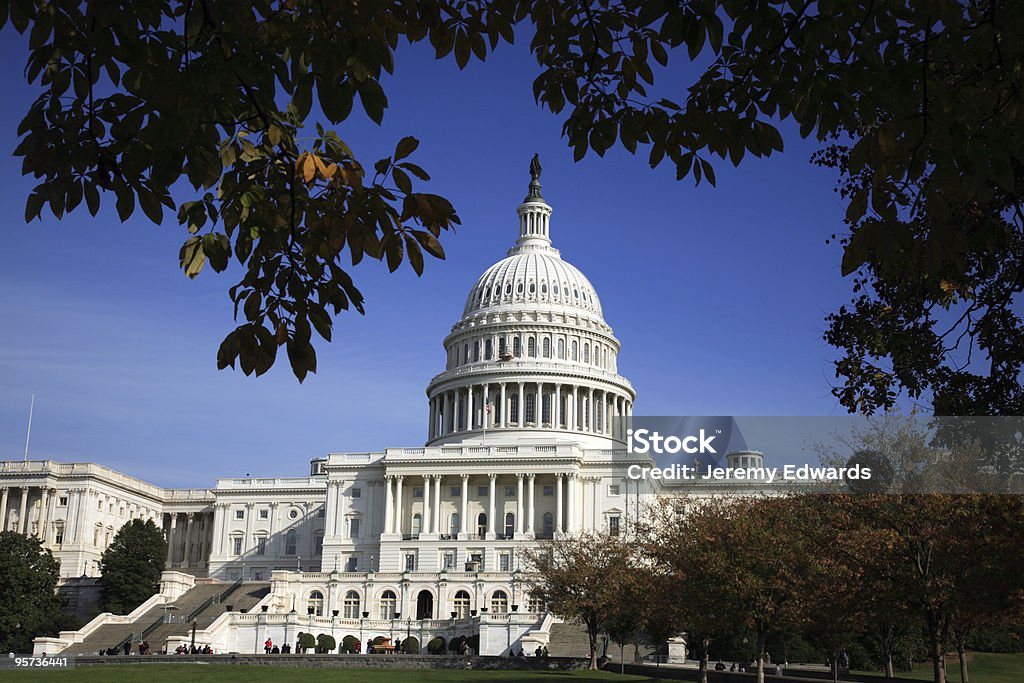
(353, 661)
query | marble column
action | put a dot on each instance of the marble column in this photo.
(470, 410)
(503, 418)
(437, 505)
(171, 539)
(399, 513)
(571, 504)
(491, 503)
(557, 407)
(521, 412)
(558, 503)
(3, 508)
(427, 517)
(463, 522)
(389, 506)
(530, 504)
(22, 510)
(519, 504)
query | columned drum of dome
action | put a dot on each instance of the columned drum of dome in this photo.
(532, 358)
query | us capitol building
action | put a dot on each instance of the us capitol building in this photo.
(520, 433)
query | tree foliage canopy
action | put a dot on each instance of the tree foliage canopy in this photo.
(916, 102)
(131, 566)
(28, 592)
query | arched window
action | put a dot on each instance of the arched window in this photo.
(575, 350)
(462, 605)
(291, 540)
(351, 605)
(417, 524)
(502, 347)
(510, 525)
(456, 523)
(316, 603)
(513, 409)
(549, 524)
(466, 352)
(388, 603)
(561, 349)
(530, 408)
(546, 347)
(481, 524)
(545, 408)
(476, 351)
(487, 349)
(531, 347)
(586, 353)
(499, 602)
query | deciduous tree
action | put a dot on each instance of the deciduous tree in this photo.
(131, 566)
(28, 592)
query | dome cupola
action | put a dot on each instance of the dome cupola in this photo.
(532, 357)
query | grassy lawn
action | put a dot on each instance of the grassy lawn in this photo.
(982, 667)
(179, 673)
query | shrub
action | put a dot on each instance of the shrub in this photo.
(325, 643)
(350, 645)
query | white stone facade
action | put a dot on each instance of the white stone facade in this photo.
(519, 448)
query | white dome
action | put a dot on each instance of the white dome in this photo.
(532, 276)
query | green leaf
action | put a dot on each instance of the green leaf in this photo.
(401, 180)
(150, 204)
(406, 146)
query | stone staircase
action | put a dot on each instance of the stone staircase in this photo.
(243, 597)
(571, 640)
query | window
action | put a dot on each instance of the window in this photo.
(456, 491)
(499, 602)
(586, 353)
(351, 563)
(351, 605)
(561, 349)
(545, 408)
(417, 524)
(613, 489)
(575, 350)
(387, 605)
(264, 514)
(59, 535)
(353, 527)
(293, 513)
(530, 408)
(536, 604)
(62, 501)
(517, 348)
(502, 347)
(355, 492)
(315, 604)
(510, 492)
(239, 514)
(465, 349)
(410, 562)
(505, 562)
(461, 605)
(510, 525)
(318, 544)
(546, 347)
(549, 524)
(513, 408)
(488, 349)
(261, 545)
(448, 561)
(237, 541)
(291, 540)
(481, 524)
(476, 351)
(548, 490)
(531, 347)
(481, 491)
(456, 524)
(613, 525)
(417, 492)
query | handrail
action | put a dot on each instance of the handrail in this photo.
(212, 600)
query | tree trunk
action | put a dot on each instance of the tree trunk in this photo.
(961, 651)
(890, 670)
(835, 667)
(622, 659)
(592, 634)
(935, 648)
(761, 638)
(703, 676)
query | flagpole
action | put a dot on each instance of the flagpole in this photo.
(28, 433)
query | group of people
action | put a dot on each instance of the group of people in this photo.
(125, 648)
(720, 666)
(193, 650)
(271, 649)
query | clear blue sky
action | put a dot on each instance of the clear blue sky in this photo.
(717, 294)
